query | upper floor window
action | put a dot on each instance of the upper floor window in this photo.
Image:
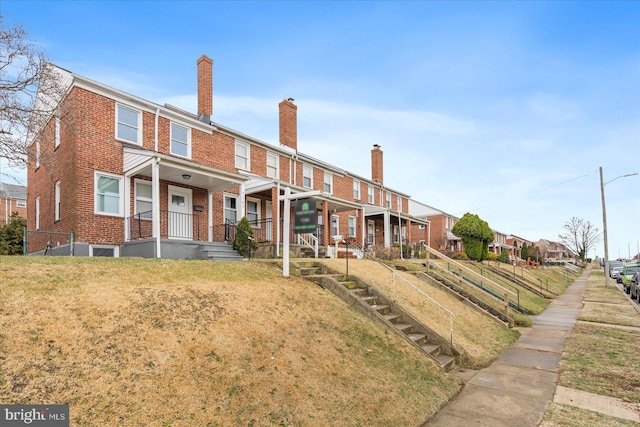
(356, 190)
(243, 160)
(307, 176)
(180, 140)
(57, 132)
(272, 165)
(128, 124)
(399, 204)
(370, 195)
(328, 182)
(388, 200)
(108, 191)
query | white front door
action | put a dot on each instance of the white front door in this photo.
(180, 219)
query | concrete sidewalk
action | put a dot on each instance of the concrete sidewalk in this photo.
(516, 388)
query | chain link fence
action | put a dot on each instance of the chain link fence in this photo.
(37, 242)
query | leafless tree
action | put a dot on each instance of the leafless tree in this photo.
(580, 236)
(30, 91)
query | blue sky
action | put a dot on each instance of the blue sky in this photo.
(502, 109)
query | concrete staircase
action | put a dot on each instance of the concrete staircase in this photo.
(216, 251)
(436, 279)
(380, 308)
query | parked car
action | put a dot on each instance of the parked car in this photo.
(612, 265)
(634, 286)
(627, 272)
(615, 273)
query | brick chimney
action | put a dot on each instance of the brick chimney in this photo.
(205, 88)
(289, 123)
(376, 164)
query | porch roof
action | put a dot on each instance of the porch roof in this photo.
(137, 161)
(259, 184)
(370, 210)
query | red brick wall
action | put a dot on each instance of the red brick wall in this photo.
(205, 86)
(288, 112)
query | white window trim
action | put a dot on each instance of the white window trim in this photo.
(37, 212)
(248, 147)
(56, 200)
(246, 209)
(188, 129)
(422, 227)
(277, 166)
(57, 132)
(356, 189)
(116, 249)
(399, 203)
(310, 169)
(224, 206)
(120, 179)
(330, 183)
(144, 199)
(337, 218)
(139, 124)
(355, 225)
(371, 195)
(388, 200)
(21, 203)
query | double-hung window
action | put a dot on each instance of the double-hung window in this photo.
(388, 200)
(231, 209)
(370, 194)
(144, 199)
(180, 141)
(37, 212)
(57, 200)
(253, 212)
(108, 194)
(272, 165)
(399, 203)
(307, 176)
(128, 124)
(356, 190)
(243, 160)
(352, 226)
(335, 225)
(328, 183)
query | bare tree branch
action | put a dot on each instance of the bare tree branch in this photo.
(579, 236)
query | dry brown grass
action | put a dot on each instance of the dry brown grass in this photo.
(481, 339)
(193, 343)
(570, 416)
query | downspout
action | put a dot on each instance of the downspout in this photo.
(155, 200)
(400, 234)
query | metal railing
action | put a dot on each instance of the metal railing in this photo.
(262, 230)
(173, 225)
(414, 287)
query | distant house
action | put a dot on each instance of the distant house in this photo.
(516, 243)
(13, 198)
(130, 177)
(437, 233)
(553, 251)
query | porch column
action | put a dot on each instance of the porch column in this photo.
(241, 208)
(277, 200)
(155, 202)
(127, 208)
(326, 224)
(387, 229)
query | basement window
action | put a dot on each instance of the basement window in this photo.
(104, 251)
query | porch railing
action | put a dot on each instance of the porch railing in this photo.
(173, 225)
(262, 231)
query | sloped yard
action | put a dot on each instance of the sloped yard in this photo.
(196, 343)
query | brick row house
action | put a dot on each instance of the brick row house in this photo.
(13, 199)
(437, 233)
(130, 177)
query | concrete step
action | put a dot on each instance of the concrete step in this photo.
(349, 284)
(360, 292)
(404, 327)
(446, 362)
(432, 349)
(393, 317)
(382, 309)
(371, 300)
(419, 339)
